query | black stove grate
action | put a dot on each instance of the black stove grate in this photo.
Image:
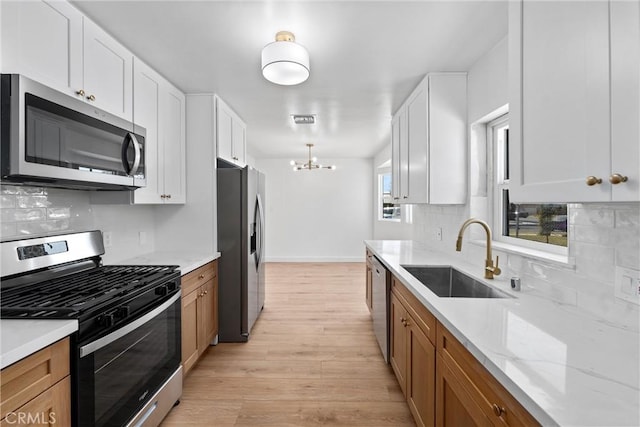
(73, 295)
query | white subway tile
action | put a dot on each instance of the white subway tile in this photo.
(593, 252)
(7, 201)
(29, 215)
(9, 189)
(33, 201)
(58, 213)
(8, 230)
(626, 218)
(592, 215)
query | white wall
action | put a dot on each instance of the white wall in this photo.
(319, 215)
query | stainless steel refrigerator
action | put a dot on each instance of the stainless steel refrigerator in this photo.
(241, 243)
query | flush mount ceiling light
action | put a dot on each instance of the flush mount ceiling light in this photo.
(310, 164)
(284, 62)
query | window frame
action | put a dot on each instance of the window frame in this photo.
(380, 202)
(498, 183)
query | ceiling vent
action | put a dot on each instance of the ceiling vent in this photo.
(304, 119)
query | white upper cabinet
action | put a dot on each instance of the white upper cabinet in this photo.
(53, 43)
(43, 40)
(400, 157)
(108, 72)
(573, 101)
(160, 109)
(429, 141)
(230, 134)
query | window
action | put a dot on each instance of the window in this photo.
(387, 210)
(537, 226)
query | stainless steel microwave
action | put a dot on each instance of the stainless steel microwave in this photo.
(51, 139)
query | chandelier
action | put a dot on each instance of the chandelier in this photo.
(310, 164)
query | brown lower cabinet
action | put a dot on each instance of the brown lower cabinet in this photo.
(443, 383)
(199, 312)
(36, 390)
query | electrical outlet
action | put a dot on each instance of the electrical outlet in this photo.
(438, 233)
(107, 239)
(142, 237)
(627, 285)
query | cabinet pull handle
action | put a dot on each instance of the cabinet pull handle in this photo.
(91, 97)
(498, 410)
(592, 180)
(80, 92)
(616, 178)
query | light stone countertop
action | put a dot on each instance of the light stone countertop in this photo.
(20, 338)
(564, 365)
(187, 261)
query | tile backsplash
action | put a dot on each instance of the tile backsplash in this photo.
(38, 211)
(602, 237)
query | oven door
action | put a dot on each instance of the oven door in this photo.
(120, 372)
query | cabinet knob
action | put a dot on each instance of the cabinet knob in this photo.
(616, 178)
(497, 410)
(168, 196)
(235, 158)
(91, 97)
(206, 292)
(80, 92)
(592, 180)
(405, 197)
(201, 276)
(162, 196)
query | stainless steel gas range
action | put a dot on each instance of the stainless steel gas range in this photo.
(125, 357)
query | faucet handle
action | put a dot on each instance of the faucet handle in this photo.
(496, 269)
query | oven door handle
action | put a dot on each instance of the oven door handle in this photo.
(129, 327)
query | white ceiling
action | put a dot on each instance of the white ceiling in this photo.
(366, 57)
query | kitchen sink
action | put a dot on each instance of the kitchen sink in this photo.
(451, 283)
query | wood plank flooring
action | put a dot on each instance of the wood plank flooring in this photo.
(312, 359)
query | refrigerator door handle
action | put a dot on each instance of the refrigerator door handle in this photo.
(260, 233)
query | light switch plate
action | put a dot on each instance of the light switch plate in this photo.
(627, 285)
(107, 238)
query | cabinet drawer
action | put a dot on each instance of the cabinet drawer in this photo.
(499, 406)
(199, 277)
(27, 378)
(423, 318)
(52, 407)
(369, 257)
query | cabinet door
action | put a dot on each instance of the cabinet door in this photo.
(625, 98)
(421, 368)
(224, 131)
(398, 356)
(208, 319)
(418, 145)
(57, 62)
(146, 113)
(172, 112)
(447, 107)
(52, 407)
(108, 72)
(395, 157)
(238, 136)
(454, 405)
(190, 329)
(559, 100)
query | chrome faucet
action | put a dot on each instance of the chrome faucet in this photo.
(489, 269)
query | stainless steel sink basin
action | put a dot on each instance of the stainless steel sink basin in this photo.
(451, 283)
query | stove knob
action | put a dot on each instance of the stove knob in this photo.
(161, 290)
(123, 312)
(172, 286)
(106, 320)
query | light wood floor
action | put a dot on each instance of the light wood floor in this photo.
(312, 359)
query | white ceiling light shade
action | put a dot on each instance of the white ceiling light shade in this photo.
(284, 62)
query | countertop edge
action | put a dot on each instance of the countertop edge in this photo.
(31, 344)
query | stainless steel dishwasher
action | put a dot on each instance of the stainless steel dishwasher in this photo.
(380, 303)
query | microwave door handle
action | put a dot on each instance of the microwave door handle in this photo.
(130, 138)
